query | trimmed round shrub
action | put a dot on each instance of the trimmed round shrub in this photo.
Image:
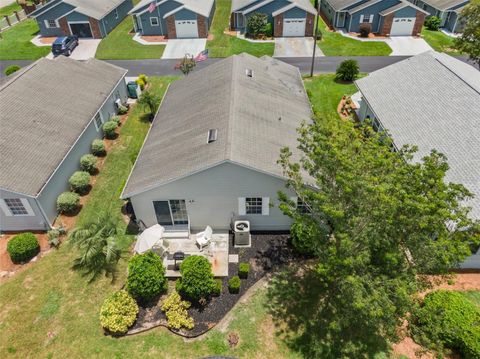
(365, 29)
(143, 77)
(122, 110)
(140, 83)
(68, 202)
(109, 129)
(447, 319)
(80, 182)
(432, 23)
(197, 278)
(23, 247)
(115, 119)
(348, 70)
(98, 148)
(11, 69)
(88, 163)
(146, 276)
(234, 284)
(118, 312)
(243, 269)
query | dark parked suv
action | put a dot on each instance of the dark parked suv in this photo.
(64, 45)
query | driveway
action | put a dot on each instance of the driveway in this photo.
(85, 50)
(295, 47)
(407, 45)
(178, 48)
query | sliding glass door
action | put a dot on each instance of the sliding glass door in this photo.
(171, 212)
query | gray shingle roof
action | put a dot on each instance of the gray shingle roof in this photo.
(202, 7)
(305, 4)
(444, 4)
(342, 4)
(43, 112)
(94, 8)
(432, 100)
(255, 117)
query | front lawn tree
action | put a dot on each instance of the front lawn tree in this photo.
(375, 221)
(469, 41)
(150, 102)
(348, 70)
(256, 24)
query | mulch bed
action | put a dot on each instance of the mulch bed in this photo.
(267, 254)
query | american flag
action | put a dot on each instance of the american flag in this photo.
(152, 6)
(202, 56)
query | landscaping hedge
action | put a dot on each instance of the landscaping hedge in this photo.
(234, 284)
(176, 312)
(243, 269)
(23, 247)
(448, 320)
(98, 148)
(88, 163)
(118, 312)
(80, 182)
(11, 69)
(109, 129)
(146, 276)
(197, 278)
(68, 202)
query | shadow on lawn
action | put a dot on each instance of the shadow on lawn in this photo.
(307, 315)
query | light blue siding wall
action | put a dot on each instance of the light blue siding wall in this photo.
(268, 10)
(295, 13)
(54, 13)
(160, 11)
(35, 222)
(76, 16)
(109, 22)
(328, 11)
(185, 14)
(354, 22)
(59, 181)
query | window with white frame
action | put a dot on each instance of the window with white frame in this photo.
(17, 207)
(115, 13)
(51, 23)
(253, 205)
(366, 18)
(302, 208)
(98, 121)
(154, 21)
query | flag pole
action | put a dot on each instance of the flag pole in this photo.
(315, 38)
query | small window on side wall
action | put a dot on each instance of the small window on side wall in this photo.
(116, 13)
(154, 21)
(98, 121)
(16, 207)
(51, 23)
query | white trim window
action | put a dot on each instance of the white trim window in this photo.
(253, 206)
(154, 21)
(16, 207)
(51, 23)
(366, 18)
(98, 120)
(115, 12)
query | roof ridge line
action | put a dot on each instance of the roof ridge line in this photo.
(228, 147)
(455, 74)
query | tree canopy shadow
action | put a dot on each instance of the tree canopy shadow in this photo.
(312, 321)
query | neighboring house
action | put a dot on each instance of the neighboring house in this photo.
(447, 10)
(289, 18)
(431, 100)
(84, 18)
(386, 17)
(211, 153)
(174, 19)
(52, 110)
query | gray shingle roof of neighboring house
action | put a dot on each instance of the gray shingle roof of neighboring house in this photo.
(45, 109)
(342, 4)
(303, 4)
(443, 4)
(97, 9)
(432, 100)
(202, 7)
(402, 4)
(254, 117)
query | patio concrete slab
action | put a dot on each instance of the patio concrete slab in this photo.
(178, 48)
(85, 50)
(407, 45)
(295, 47)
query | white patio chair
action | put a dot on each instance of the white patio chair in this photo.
(203, 238)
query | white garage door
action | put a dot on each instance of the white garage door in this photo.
(186, 28)
(402, 26)
(294, 27)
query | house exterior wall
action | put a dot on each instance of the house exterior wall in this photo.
(159, 12)
(327, 10)
(278, 25)
(354, 21)
(295, 13)
(109, 22)
(212, 196)
(267, 9)
(35, 222)
(54, 12)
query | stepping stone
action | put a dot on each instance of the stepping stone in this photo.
(233, 258)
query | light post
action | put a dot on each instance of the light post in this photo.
(315, 38)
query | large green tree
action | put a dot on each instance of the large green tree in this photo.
(375, 221)
(469, 41)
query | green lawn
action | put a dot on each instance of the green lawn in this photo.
(334, 44)
(439, 41)
(9, 9)
(15, 42)
(50, 311)
(225, 45)
(325, 93)
(118, 45)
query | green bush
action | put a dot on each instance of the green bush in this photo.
(80, 182)
(88, 163)
(115, 119)
(54, 237)
(448, 320)
(176, 311)
(143, 77)
(365, 29)
(197, 278)
(98, 148)
(11, 69)
(122, 110)
(303, 232)
(234, 284)
(118, 312)
(348, 70)
(140, 83)
(109, 129)
(23, 247)
(268, 29)
(432, 23)
(243, 269)
(146, 276)
(256, 24)
(68, 202)
(217, 289)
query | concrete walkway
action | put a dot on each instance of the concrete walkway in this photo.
(295, 47)
(178, 48)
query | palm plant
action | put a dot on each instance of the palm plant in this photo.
(150, 101)
(98, 245)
